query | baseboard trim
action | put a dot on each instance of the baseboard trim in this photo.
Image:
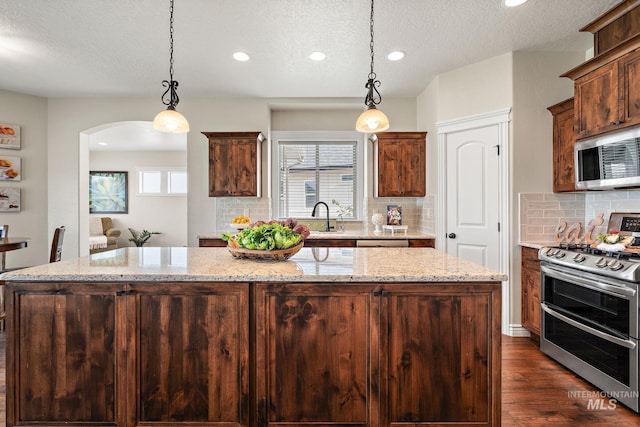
(518, 331)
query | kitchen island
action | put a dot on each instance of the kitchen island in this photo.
(193, 336)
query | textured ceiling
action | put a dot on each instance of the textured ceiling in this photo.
(89, 48)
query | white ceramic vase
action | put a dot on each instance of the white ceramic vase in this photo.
(377, 219)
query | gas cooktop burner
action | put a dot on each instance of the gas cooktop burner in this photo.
(588, 249)
(617, 265)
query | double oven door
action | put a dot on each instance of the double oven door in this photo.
(590, 325)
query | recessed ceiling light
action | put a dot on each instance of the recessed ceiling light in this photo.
(317, 56)
(102, 143)
(241, 56)
(513, 3)
(395, 56)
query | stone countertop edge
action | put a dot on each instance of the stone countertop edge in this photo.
(348, 235)
(310, 265)
(536, 245)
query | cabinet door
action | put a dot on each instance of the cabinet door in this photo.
(244, 163)
(190, 343)
(531, 300)
(234, 163)
(530, 276)
(440, 355)
(630, 87)
(389, 168)
(597, 101)
(312, 349)
(412, 166)
(222, 181)
(401, 164)
(62, 367)
(563, 150)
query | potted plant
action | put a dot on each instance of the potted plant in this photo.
(140, 238)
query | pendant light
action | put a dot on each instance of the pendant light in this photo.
(372, 120)
(170, 120)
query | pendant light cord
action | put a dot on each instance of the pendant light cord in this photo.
(373, 97)
(172, 100)
(372, 75)
(171, 40)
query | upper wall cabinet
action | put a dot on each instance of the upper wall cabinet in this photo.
(400, 161)
(563, 141)
(607, 87)
(607, 96)
(234, 163)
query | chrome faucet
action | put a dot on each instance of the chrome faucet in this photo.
(313, 213)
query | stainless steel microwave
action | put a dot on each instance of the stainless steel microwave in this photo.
(608, 161)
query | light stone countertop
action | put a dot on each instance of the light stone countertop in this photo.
(536, 245)
(190, 264)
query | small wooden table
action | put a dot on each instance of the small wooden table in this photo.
(13, 243)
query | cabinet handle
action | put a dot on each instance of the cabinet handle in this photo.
(617, 122)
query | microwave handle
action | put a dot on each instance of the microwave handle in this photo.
(619, 341)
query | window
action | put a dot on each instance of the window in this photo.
(162, 181)
(311, 167)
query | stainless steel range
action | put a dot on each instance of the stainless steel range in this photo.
(589, 318)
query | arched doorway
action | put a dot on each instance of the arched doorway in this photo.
(135, 140)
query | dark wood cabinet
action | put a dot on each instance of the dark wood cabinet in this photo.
(616, 26)
(438, 348)
(188, 356)
(234, 163)
(607, 93)
(400, 159)
(563, 144)
(67, 371)
(431, 354)
(629, 82)
(313, 354)
(530, 277)
(597, 98)
(253, 354)
(143, 353)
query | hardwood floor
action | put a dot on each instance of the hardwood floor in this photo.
(535, 391)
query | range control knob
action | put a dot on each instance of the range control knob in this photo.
(579, 258)
(560, 254)
(615, 265)
(601, 263)
(550, 251)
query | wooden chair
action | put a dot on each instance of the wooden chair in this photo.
(4, 231)
(56, 244)
(56, 255)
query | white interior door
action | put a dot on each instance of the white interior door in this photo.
(473, 195)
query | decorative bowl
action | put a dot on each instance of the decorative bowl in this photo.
(274, 255)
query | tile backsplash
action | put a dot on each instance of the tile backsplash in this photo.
(417, 213)
(540, 213)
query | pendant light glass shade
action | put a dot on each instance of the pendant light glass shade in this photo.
(170, 121)
(372, 120)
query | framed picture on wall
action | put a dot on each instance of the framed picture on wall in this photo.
(108, 192)
(10, 168)
(394, 215)
(9, 199)
(9, 136)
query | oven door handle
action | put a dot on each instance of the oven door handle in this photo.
(618, 291)
(625, 343)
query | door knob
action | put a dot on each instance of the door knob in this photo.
(452, 235)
